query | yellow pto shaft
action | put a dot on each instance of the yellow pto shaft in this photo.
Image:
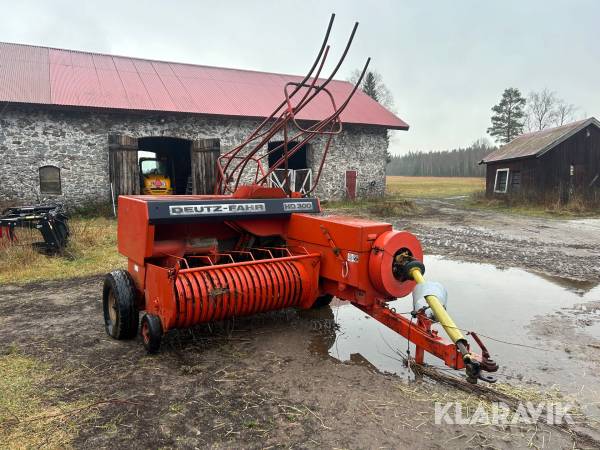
(472, 363)
(439, 311)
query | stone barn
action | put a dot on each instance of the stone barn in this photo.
(549, 165)
(74, 124)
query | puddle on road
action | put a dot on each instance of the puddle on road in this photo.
(499, 303)
(593, 329)
(590, 222)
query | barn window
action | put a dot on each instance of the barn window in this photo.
(515, 180)
(501, 182)
(50, 180)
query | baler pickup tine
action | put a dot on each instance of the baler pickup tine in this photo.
(264, 250)
(241, 252)
(281, 249)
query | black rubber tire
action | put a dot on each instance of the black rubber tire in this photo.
(322, 301)
(121, 315)
(151, 332)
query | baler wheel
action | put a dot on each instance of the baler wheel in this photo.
(151, 333)
(121, 315)
(322, 301)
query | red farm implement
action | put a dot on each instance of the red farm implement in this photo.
(251, 247)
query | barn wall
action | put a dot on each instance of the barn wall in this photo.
(77, 142)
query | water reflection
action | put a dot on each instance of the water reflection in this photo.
(501, 304)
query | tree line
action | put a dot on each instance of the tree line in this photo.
(459, 162)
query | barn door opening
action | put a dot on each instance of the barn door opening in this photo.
(123, 165)
(204, 154)
(351, 176)
(299, 175)
(165, 158)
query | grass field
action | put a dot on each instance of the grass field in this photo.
(30, 414)
(92, 249)
(433, 187)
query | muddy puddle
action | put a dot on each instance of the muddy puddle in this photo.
(558, 316)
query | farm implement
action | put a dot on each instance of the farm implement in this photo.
(251, 247)
(50, 221)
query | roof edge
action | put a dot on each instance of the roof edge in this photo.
(564, 137)
(163, 112)
(518, 158)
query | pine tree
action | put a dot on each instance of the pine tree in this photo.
(370, 87)
(373, 85)
(508, 118)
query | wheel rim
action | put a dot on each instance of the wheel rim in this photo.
(112, 307)
(145, 332)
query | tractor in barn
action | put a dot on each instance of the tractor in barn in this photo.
(251, 247)
(155, 176)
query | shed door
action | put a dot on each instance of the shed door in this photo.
(204, 154)
(351, 176)
(123, 165)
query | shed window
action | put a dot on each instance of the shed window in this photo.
(515, 180)
(50, 180)
(501, 182)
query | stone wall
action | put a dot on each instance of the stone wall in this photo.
(76, 141)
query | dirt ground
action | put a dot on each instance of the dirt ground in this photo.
(557, 247)
(266, 381)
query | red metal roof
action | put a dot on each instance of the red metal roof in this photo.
(31, 74)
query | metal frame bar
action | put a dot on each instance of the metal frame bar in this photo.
(230, 173)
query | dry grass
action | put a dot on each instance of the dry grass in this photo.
(30, 416)
(383, 207)
(433, 187)
(92, 249)
(576, 208)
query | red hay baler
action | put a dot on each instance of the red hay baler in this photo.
(198, 259)
(251, 247)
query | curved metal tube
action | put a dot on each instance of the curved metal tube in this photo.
(242, 165)
(236, 150)
(262, 134)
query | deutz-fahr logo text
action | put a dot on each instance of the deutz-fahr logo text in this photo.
(225, 208)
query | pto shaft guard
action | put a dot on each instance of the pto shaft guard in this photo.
(381, 261)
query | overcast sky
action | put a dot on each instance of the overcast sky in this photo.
(446, 62)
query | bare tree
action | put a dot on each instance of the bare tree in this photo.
(564, 113)
(541, 110)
